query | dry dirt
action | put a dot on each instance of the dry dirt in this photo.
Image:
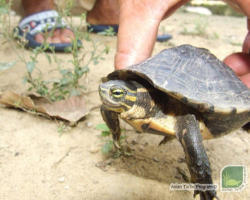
(36, 162)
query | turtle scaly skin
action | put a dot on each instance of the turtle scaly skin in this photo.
(183, 92)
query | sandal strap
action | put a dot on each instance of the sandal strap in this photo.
(42, 21)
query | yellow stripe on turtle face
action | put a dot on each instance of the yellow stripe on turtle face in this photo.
(142, 90)
(125, 105)
(104, 89)
(130, 98)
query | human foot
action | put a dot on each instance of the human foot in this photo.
(60, 35)
(46, 26)
(104, 12)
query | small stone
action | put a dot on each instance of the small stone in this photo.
(89, 124)
(17, 154)
(93, 149)
(145, 144)
(178, 177)
(182, 173)
(109, 162)
(181, 160)
(104, 165)
(156, 159)
(134, 142)
(66, 187)
(141, 148)
(61, 179)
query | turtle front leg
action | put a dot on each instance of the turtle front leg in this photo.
(112, 121)
(188, 133)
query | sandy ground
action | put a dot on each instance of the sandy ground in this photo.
(36, 162)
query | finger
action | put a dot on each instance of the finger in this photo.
(56, 36)
(138, 26)
(135, 46)
(246, 79)
(136, 35)
(239, 62)
(67, 35)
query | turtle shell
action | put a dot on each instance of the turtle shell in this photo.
(195, 77)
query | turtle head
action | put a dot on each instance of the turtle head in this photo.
(118, 95)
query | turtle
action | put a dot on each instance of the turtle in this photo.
(184, 92)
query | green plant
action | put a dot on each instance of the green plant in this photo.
(108, 32)
(5, 29)
(68, 82)
(67, 73)
(105, 134)
(6, 65)
(108, 146)
(62, 127)
(198, 30)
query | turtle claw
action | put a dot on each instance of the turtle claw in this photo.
(165, 140)
(206, 195)
(117, 145)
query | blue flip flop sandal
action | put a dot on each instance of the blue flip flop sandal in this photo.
(102, 28)
(44, 21)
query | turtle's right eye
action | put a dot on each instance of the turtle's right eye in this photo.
(117, 93)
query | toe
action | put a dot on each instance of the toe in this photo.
(67, 35)
(56, 38)
(239, 62)
(39, 38)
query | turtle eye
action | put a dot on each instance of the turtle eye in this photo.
(117, 93)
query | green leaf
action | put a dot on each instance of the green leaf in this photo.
(48, 57)
(107, 147)
(107, 49)
(74, 92)
(102, 127)
(105, 133)
(6, 65)
(123, 137)
(64, 71)
(30, 66)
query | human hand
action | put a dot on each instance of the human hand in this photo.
(138, 26)
(240, 62)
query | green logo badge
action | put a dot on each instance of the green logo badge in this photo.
(233, 178)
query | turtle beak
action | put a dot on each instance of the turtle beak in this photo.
(103, 92)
